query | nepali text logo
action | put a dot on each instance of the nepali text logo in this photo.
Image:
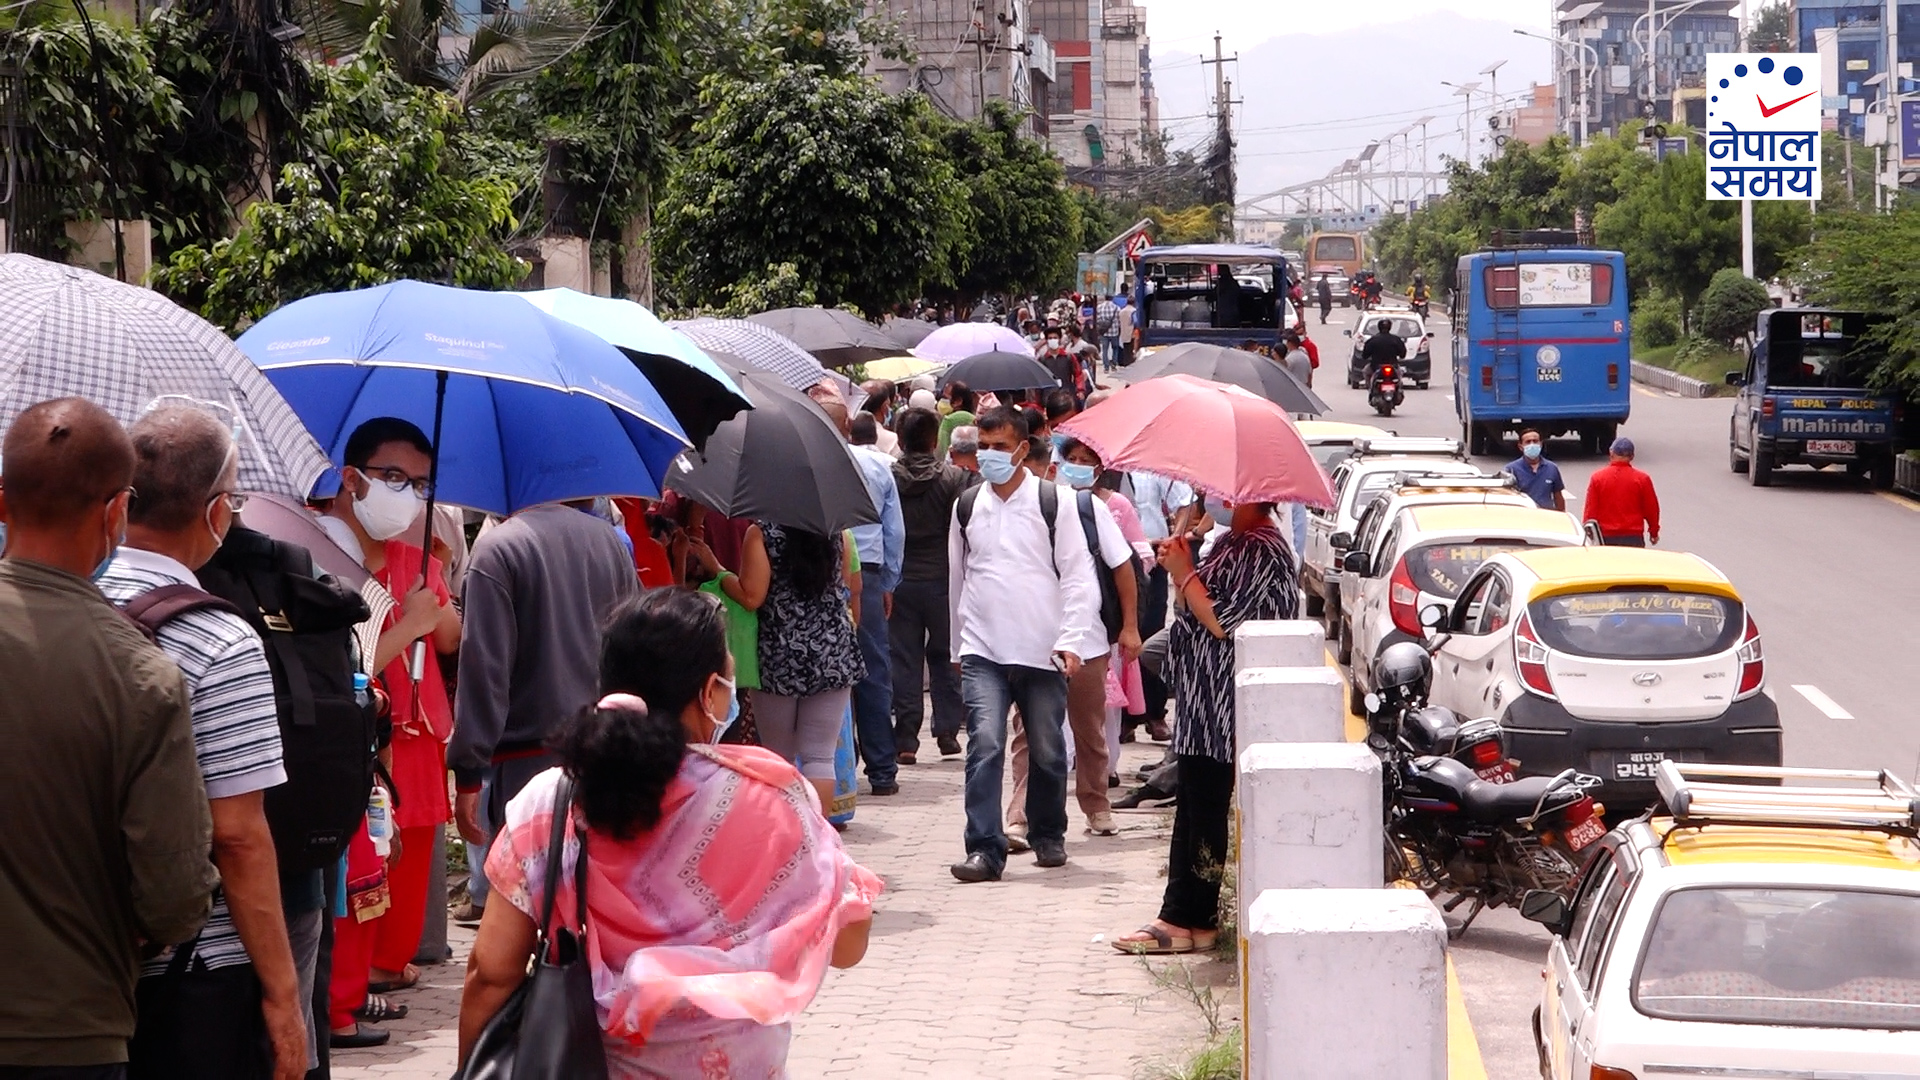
(1821, 425)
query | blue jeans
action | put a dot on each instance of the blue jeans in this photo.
(873, 695)
(478, 887)
(1109, 353)
(990, 690)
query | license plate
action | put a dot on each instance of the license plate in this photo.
(1546, 374)
(1638, 764)
(1586, 833)
(1496, 774)
(1834, 447)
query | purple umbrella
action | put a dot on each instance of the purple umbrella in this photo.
(961, 340)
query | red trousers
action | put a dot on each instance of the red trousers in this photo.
(389, 942)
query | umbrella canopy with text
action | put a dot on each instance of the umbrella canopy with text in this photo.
(1219, 438)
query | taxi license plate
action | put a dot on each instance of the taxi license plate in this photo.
(1630, 765)
(1586, 833)
(1546, 374)
(1834, 447)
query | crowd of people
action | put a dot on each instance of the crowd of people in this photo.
(675, 683)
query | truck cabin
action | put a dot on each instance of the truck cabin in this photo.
(1225, 289)
(1800, 348)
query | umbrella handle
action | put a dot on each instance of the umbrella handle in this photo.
(433, 476)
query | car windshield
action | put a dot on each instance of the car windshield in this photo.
(1442, 568)
(1638, 624)
(1798, 957)
(1405, 328)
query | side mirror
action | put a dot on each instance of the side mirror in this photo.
(1546, 907)
(1371, 702)
(1433, 616)
(1341, 541)
(1735, 378)
(1355, 562)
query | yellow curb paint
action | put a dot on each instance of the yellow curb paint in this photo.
(1899, 500)
(1463, 1048)
(1356, 724)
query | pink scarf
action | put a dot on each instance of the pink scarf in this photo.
(729, 906)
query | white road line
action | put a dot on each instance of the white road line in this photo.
(1824, 703)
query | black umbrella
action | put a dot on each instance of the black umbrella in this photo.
(1248, 370)
(907, 332)
(836, 338)
(998, 371)
(698, 400)
(782, 461)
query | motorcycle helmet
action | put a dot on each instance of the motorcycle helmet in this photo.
(1403, 673)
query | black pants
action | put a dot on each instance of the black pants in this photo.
(1624, 541)
(63, 1072)
(1198, 852)
(321, 1015)
(200, 1025)
(921, 633)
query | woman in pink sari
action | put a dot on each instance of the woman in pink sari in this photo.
(716, 893)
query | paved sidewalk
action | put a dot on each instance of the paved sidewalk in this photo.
(1012, 979)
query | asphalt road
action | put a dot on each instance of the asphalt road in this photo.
(1828, 570)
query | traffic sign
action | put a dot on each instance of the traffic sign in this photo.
(1138, 243)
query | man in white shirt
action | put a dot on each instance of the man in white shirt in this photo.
(1026, 613)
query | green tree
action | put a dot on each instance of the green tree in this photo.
(833, 174)
(507, 45)
(1026, 227)
(1728, 307)
(398, 187)
(1769, 31)
(1871, 262)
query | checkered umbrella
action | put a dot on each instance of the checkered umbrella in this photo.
(758, 345)
(68, 332)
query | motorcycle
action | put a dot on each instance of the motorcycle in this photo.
(1383, 389)
(1420, 309)
(1459, 821)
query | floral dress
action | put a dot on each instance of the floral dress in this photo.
(807, 643)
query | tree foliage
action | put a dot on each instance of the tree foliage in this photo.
(832, 173)
(1770, 30)
(1871, 262)
(1728, 307)
(398, 187)
(1025, 226)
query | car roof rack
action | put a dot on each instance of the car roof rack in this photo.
(1875, 800)
(1433, 481)
(1408, 444)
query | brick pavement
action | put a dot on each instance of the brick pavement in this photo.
(1003, 979)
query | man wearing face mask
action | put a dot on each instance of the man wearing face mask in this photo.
(1060, 363)
(1537, 476)
(1026, 612)
(227, 997)
(106, 814)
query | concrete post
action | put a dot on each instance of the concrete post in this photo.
(1289, 705)
(1345, 984)
(1310, 818)
(1279, 643)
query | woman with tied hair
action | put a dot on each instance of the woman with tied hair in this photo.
(716, 893)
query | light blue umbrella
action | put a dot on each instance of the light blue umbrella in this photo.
(527, 408)
(701, 394)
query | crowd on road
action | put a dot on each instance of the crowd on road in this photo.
(235, 757)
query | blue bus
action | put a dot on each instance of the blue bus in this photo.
(1222, 294)
(1541, 340)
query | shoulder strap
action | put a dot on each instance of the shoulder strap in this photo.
(1050, 511)
(556, 850)
(964, 510)
(276, 630)
(155, 608)
(1090, 525)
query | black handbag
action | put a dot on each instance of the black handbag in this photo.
(549, 1029)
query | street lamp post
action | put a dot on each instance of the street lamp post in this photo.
(1655, 26)
(1595, 53)
(1424, 178)
(1466, 91)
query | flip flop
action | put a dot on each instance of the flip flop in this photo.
(379, 1010)
(409, 978)
(1163, 944)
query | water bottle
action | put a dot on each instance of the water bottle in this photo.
(362, 689)
(380, 821)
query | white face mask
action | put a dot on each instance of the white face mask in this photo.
(384, 512)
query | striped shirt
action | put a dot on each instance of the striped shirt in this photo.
(236, 725)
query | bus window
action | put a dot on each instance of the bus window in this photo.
(1549, 285)
(1335, 249)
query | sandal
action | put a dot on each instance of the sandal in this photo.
(379, 1010)
(1163, 943)
(409, 978)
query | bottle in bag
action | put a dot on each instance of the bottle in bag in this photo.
(380, 821)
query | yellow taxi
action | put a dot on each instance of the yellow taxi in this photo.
(1763, 924)
(1608, 660)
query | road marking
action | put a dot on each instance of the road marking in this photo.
(1899, 500)
(1638, 389)
(1824, 703)
(1463, 1047)
(1356, 724)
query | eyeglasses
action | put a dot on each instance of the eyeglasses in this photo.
(236, 502)
(397, 479)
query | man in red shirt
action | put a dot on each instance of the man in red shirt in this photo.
(1621, 501)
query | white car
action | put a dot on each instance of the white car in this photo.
(1759, 932)
(1405, 324)
(1432, 545)
(1369, 469)
(1609, 660)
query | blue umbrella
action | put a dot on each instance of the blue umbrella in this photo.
(701, 395)
(525, 408)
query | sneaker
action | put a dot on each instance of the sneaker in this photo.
(467, 913)
(883, 790)
(1017, 839)
(949, 745)
(1102, 825)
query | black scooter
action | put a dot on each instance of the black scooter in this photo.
(1383, 388)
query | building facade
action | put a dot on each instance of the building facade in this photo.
(1621, 85)
(969, 53)
(1851, 38)
(1102, 98)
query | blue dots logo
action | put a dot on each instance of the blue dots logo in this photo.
(1765, 65)
(1793, 75)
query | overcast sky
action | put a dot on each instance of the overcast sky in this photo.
(1189, 25)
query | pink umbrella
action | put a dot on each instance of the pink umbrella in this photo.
(961, 340)
(1217, 437)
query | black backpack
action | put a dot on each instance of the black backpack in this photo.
(327, 738)
(1111, 615)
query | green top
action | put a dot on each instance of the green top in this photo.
(957, 418)
(743, 637)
